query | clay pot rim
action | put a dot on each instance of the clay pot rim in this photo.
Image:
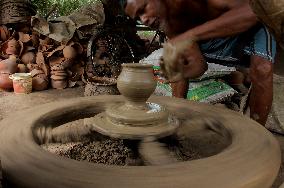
(55, 77)
(20, 76)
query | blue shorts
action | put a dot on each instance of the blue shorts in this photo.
(235, 51)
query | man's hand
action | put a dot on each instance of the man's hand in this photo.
(182, 60)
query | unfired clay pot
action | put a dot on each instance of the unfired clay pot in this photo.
(134, 83)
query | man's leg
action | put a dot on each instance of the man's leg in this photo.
(180, 88)
(261, 73)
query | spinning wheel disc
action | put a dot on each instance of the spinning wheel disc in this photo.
(251, 160)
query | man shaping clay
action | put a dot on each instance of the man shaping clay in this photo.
(219, 31)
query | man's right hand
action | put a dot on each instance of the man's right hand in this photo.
(182, 60)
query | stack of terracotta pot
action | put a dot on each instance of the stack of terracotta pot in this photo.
(58, 77)
(15, 11)
(63, 66)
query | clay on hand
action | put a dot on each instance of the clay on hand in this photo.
(182, 60)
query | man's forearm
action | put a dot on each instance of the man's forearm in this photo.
(230, 23)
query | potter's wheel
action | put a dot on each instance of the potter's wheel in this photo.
(121, 121)
(250, 157)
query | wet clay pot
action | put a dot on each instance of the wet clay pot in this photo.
(134, 83)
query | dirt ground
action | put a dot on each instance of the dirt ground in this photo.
(11, 103)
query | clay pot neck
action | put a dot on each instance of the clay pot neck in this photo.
(136, 83)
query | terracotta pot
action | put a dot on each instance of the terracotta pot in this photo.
(40, 82)
(36, 72)
(59, 84)
(136, 82)
(4, 33)
(13, 47)
(69, 52)
(22, 68)
(59, 73)
(22, 83)
(5, 81)
(9, 65)
(57, 77)
(28, 57)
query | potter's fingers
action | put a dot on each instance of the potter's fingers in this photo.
(72, 133)
(163, 72)
(155, 153)
(177, 77)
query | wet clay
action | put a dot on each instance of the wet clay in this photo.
(247, 139)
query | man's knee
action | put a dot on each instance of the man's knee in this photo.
(260, 69)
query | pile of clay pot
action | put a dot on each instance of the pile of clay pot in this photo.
(49, 62)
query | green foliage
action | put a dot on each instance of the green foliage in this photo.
(62, 7)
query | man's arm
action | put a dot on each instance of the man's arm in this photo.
(237, 19)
